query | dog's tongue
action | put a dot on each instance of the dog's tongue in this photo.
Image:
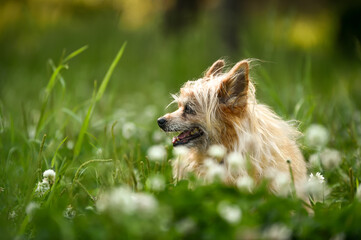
(181, 136)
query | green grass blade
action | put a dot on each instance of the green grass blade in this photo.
(96, 97)
(49, 88)
(83, 130)
(56, 152)
(53, 78)
(109, 73)
(60, 77)
(56, 75)
(72, 114)
(85, 124)
(39, 170)
(75, 53)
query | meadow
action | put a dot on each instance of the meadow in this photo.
(82, 157)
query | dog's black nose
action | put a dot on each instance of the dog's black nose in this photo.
(161, 122)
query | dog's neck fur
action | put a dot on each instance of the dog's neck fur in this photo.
(257, 133)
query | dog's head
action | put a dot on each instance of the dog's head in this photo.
(209, 107)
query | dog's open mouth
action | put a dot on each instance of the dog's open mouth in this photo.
(187, 136)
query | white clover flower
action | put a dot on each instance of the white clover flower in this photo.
(69, 212)
(358, 193)
(31, 208)
(330, 158)
(157, 153)
(99, 153)
(150, 112)
(214, 170)
(314, 160)
(89, 208)
(118, 199)
(129, 129)
(138, 179)
(180, 151)
(42, 187)
(316, 136)
(217, 151)
(158, 136)
(282, 183)
(186, 226)
(31, 132)
(235, 162)
(123, 200)
(70, 144)
(156, 183)
(316, 187)
(145, 203)
(12, 215)
(245, 183)
(231, 213)
(50, 176)
(318, 177)
(277, 232)
(59, 134)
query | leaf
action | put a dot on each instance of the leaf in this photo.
(109, 73)
(56, 152)
(97, 97)
(75, 53)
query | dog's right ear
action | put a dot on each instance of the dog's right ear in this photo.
(215, 68)
(234, 87)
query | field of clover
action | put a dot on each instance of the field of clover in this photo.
(82, 157)
(68, 172)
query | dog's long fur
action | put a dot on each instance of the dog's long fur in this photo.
(224, 107)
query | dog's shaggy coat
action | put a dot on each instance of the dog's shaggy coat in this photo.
(221, 108)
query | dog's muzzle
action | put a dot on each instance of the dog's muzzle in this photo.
(162, 122)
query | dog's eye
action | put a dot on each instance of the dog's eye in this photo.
(189, 110)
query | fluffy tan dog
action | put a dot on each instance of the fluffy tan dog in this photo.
(221, 109)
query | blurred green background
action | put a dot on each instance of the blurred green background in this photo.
(299, 45)
(307, 58)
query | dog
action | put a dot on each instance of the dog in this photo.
(221, 108)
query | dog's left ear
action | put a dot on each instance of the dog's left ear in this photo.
(215, 68)
(234, 86)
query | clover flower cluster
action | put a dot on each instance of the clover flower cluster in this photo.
(156, 183)
(316, 187)
(48, 180)
(277, 231)
(157, 153)
(317, 137)
(229, 212)
(124, 200)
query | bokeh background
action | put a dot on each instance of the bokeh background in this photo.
(313, 45)
(306, 66)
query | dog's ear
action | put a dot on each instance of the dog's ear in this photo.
(215, 68)
(234, 86)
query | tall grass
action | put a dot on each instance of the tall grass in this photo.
(96, 98)
(107, 186)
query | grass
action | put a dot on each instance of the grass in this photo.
(98, 143)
